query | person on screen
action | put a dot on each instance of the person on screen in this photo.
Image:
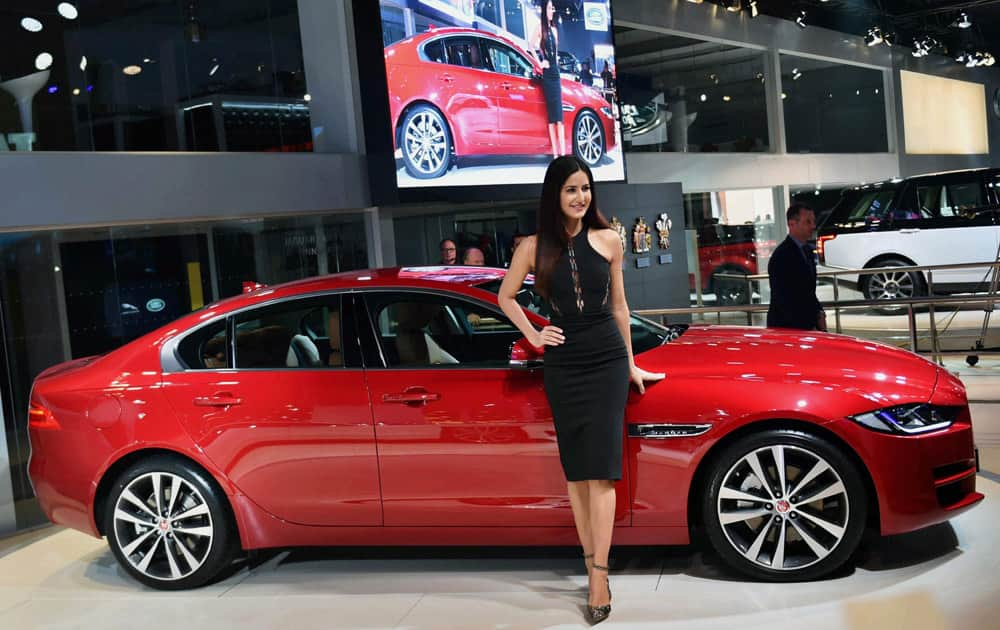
(449, 252)
(608, 78)
(545, 43)
(474, 257)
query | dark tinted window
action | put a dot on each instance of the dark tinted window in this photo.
(507, 60)
(205, 349)
(463, 51)
(434, 51)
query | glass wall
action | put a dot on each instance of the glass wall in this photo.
(687, 95)
(73, 293)
(832, 108)
(159, 75)
(730, 233)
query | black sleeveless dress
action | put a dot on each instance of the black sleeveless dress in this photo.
(587, 377)
(551, 80)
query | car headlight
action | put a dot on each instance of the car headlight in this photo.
(607, 112)
(908, 419)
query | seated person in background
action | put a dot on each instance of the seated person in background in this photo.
(474, 257)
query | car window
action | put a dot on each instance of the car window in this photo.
(205, 348)
(434, 51)
(299, 334)
(429, 330)
(949, 199)
(508, 61)
(872, 204)
(463, 51)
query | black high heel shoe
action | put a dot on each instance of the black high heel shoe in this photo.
(597, 614)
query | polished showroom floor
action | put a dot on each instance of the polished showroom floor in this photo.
(943, 577)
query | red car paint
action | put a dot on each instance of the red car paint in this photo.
(316, 457)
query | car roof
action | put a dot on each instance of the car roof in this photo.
(454, 30)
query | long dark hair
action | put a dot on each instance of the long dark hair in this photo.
(552, 239)
(546, 24)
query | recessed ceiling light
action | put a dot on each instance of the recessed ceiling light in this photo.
(703, 98)
(727, 98)
(43, 61)
(31, 25)
(83, 63)
(307, 98)
(76, 91)
(132, 70)
(67, 10)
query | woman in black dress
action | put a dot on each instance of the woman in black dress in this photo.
(546, 41)
(577, 262)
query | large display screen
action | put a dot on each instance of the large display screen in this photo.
(487, 92)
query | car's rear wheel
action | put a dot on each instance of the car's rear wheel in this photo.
(168, 525)
(892, 285)
(588, 139)
(783, 506)
(426, 142)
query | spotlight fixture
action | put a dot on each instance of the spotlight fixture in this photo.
(132, 70)
(923, 47)
(734, 6)
(31, 25)
(67, 10)
(695, 1)
(962, 21)
(43, 61)
(796, 75)
(801, 20)
(753, 9)
(703, 98)
(874, 36)
(727, 98)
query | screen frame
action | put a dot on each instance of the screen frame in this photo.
(378, 142)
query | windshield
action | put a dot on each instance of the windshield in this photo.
(646, 334)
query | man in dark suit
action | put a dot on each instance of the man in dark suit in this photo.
(792, 275)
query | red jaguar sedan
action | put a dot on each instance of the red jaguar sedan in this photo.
(400, 407)
(457, 92)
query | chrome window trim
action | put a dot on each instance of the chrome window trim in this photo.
(663, 431)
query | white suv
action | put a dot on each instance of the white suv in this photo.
(941, 219)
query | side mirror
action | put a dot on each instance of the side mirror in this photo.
(523, 355)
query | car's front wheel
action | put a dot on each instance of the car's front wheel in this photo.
(588, 138)
(426, 143)
(783, 506)
(168, 525)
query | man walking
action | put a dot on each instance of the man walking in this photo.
(792, 276)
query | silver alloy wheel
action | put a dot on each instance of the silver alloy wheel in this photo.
(891, 285)
(163, 525)
(426, 142)
(783, 507)
(589, 139)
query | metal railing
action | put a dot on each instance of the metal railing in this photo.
(987, 302)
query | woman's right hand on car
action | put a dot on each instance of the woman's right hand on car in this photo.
(548, 336)
(545, 65)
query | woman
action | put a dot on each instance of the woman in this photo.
(546, 40)
(577, 262)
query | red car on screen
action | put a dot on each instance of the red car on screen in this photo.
(401, 407)
(457, 92)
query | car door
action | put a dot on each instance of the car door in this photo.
(463, 438)
(275, 396)
(466, 92)
(523, 117)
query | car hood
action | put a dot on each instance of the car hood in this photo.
(882, 374)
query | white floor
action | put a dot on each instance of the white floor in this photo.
(943, 577)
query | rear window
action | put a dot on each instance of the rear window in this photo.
(873, 204)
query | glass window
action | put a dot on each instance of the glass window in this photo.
(297, 334)
(429, 330)
(687, 95)
(489, 10)
(161, 75)
(963, 196)
(205, 348)
(508, 61)
(832, 108)
(393, 25)
(464, 51)
(872, 204)
(515, 17)
(434, 50)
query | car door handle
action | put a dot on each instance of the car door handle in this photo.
(222, 399)
(410, 396)
(506, 85)
(447, 78)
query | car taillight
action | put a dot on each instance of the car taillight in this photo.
(821, 245)
(40, 417)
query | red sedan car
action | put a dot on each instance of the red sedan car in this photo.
(401, 407)
(458, 92)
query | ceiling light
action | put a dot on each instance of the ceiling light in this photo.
(753, 9)
(43, 61)
(962, 21)
(874, 36)
(31, 25)
(132, 70)
(703, 98)
(796, 75)
(695, 1)
(67, 10)
(801, 20)
(76, 91)
(733, 6)
(215, 67)
(783, 96)
(307, 98)
(727, 98)
(53, 89)
(83, 63)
